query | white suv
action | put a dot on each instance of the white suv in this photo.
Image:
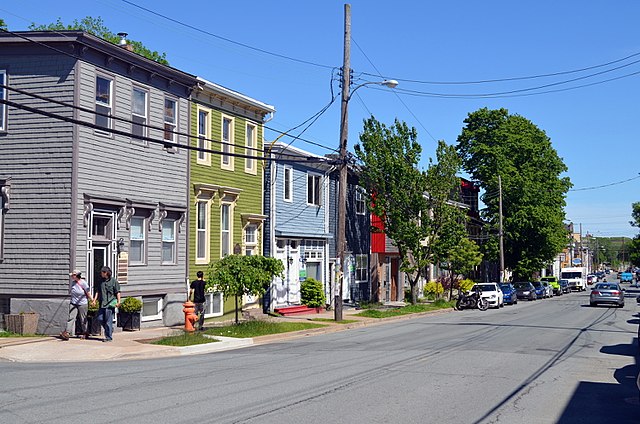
(491, 292)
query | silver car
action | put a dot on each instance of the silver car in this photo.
(607, 293)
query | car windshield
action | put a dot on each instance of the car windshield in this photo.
(487, 287)
(537, 284)
(564, 281)
(521, 285)
(606, 287)
(568, 275)
(505, 287)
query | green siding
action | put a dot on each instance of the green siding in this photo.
(249, 199)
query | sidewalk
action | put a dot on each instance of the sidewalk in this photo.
(129, 345)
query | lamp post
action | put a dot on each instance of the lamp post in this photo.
(344, 131)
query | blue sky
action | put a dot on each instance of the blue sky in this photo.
(285, 53)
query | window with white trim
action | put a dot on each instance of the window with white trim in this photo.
(3, 96)
(225, 230)
(3, 209)
(104, 101)
(213, 305)
(251, 239)
(314, 185)
(139, 113)
(227, 143)
(362, 268)
(151, 308)
(204, 125)
(251, 145)
(138, 241)
(314, 257)
(361, 206)
(168, 241)
(202, 231)
(170, 120)
(288, 184)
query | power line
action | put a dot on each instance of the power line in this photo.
(164, 143)
(606, 185)
(281, 56)
(515, 78)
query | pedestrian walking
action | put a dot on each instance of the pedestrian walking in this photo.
(78, 305)
(197, 294)
(108, 295)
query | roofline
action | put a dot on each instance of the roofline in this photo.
(236, 95)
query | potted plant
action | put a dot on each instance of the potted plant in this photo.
(22, 323)
(93, 324)
(129, 314)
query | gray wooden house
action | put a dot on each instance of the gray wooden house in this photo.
(91, 174)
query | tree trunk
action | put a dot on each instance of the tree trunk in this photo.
(237, 321)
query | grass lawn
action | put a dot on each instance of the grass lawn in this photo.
(259, 328)
(344, 321)
(10, 334)
(409, 309)
(184, 339)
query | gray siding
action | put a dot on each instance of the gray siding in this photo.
(36, 153)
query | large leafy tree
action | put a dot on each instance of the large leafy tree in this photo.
(237, 275)
(495, 143)
(634, 246)
(97, 27)
(413, 205)
(461, 259)
(3, 25)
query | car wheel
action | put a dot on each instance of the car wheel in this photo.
(593, 304)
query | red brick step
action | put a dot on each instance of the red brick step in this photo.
(296, 310)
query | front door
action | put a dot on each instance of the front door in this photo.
(100, 258)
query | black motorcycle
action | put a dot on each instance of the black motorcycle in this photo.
(472, 301)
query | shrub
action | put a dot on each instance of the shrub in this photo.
(131, 304)
(433, 289)
(312, 293)
(465, 285)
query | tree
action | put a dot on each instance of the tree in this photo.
(238, 275)
(494, 143)
(462, 258)
(97, 27)
(414, 206)
(634, 246)
(3, 25)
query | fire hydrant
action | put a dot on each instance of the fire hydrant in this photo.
(190, 316)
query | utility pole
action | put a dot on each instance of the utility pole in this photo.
(342, 189)
(500, 232)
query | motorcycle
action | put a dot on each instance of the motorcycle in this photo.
(471, 301)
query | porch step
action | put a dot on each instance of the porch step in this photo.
(295, 310)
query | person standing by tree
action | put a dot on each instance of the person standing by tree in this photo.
(197, 293)
(78, 306)
(108, 294)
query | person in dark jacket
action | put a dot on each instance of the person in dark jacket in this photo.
(197, 291)
(108, 295)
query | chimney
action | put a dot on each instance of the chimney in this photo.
(123, 41)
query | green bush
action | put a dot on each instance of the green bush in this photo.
(465, 285)
(131, 304)
(312, 293)
(433, 290)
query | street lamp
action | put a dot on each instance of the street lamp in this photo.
(342, 192)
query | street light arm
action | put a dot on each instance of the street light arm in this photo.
(387, 83)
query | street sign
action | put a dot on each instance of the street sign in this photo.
(577, 261)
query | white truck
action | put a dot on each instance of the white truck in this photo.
(575, 276)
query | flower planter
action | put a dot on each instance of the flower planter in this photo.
(129, 321)
(26, 323)
(93, 325)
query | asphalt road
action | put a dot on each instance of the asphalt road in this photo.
(549, 361)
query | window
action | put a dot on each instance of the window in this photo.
(168, 241)
(103, 102)
(225, 228)
(227, 143)
(250, 162)
(151, 308)
(251, 239)
(213, 306)
(3, 96)
(360, 201)
(204, 158)
(202, 232)
(137, 241)
(4, 207)
(139, 113)
(288, 184)
(170, 119)
(313, 189)
(362, 268)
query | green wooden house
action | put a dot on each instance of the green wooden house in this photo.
(226, 181)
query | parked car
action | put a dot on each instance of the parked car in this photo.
(548, 290)
(509, 293)
(607, 293)
(525, 290)
(564, 286)
(553, 282)
(626, 277)
(591, 278)
(491, 292)
(541, 292)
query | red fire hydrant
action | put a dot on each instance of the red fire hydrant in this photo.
(190, 316)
